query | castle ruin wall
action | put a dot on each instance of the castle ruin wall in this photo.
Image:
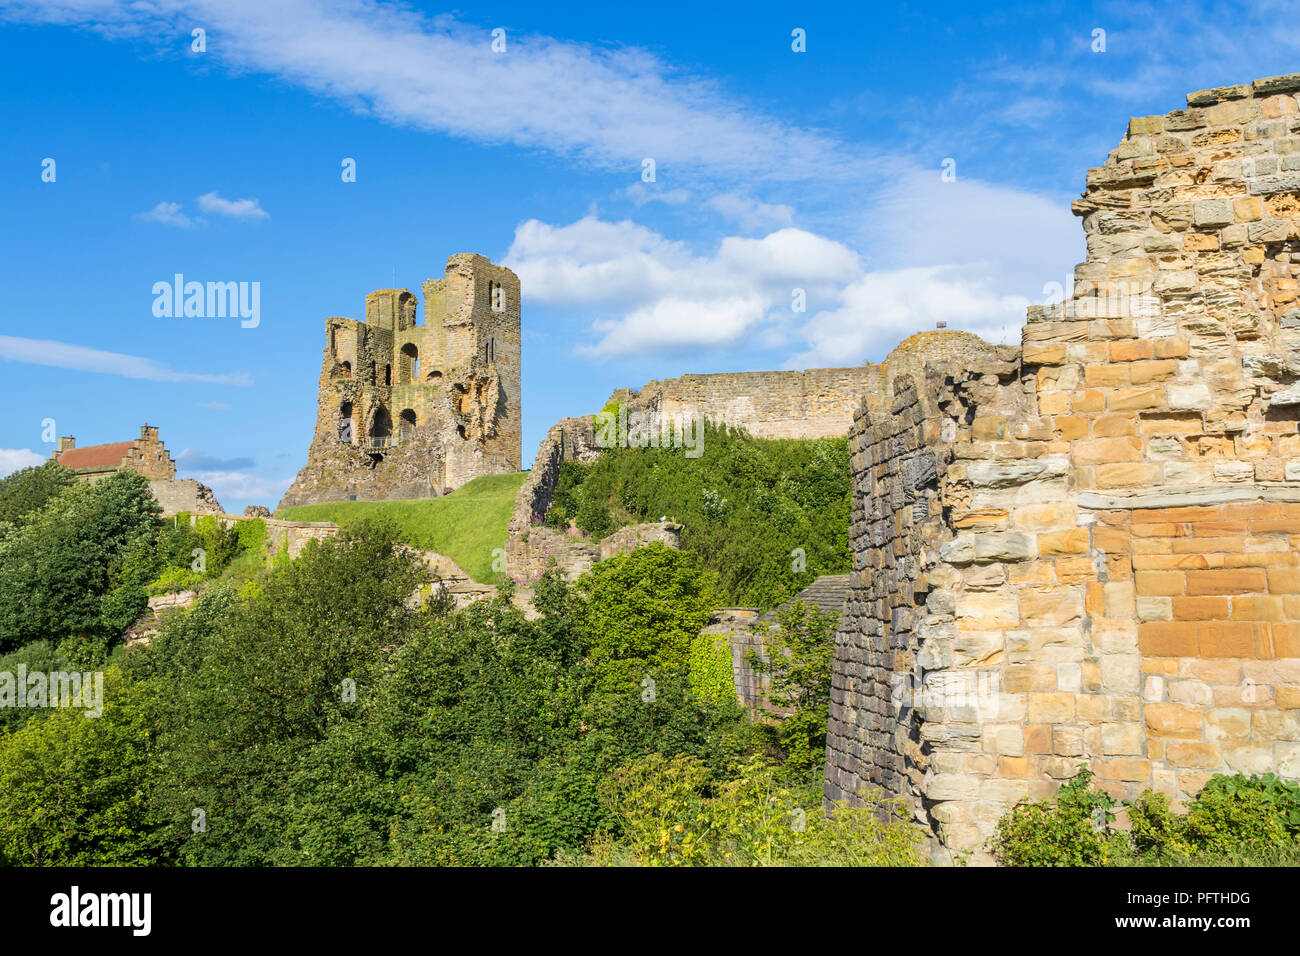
(1101, 566)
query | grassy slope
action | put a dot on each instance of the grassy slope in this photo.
(465, 525)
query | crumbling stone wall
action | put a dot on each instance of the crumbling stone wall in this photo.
(184, 494)
(1104, 567)
(817, 403)
(283, 537)
(739, 628)
(406, 410)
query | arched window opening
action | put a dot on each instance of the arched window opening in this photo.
(346, 368)
(434, 375)
(388, 375)
(408, 368)
(381, 426)
(406, 423)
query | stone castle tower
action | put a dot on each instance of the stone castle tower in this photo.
(406, 410)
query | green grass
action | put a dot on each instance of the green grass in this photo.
(465, 525)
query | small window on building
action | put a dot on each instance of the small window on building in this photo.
(388, 375)
(498, 296)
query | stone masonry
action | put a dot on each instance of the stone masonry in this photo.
(1084, 550)
(817, 403)
(145, 455)
(406, 410)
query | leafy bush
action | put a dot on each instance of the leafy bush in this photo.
(58, 569)
(174, 579)
(674, 813)
(1072, 830)
(768, 516)
(643, 609)
(798, 660)
(24, 493)
(73, 791)
(1233, 819)
(711, 673)
(1233, 816)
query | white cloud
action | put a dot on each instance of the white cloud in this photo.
(751, 214)
(232, 208)
(240, 487)
(606, 106)
(882, 308)
(665, 297)
(15, 459)
(169, 214)
(1024, 239)
(66, 355)
(215, 406)
(974, 256)
(641, 194)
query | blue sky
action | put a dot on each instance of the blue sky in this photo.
(774, 170)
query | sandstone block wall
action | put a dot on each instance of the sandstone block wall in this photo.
(817, 403)
(184, 494)
(1085, 553)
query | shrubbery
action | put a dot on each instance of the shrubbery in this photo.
(319, 718)
(1234, 819)
(674, 813)
(768, 516)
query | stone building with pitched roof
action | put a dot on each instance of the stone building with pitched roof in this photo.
(145, 455)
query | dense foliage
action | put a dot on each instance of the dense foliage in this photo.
(26, 492)
(63, 571)
(1233, 820)
(767, 515)
(323, 717)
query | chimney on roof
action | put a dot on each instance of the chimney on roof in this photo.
(67, 442)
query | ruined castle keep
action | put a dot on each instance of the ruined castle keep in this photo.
(406, 410)
(1084, 550)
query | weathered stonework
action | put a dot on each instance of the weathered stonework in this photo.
(817, 403)
(185, 494)
(145, 456)
(1084, 551)
(406, 410)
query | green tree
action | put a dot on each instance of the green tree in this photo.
(800, 650)
(25, 492)
(74, 791)
(269, 683)
(643, 609)
(57, 569)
